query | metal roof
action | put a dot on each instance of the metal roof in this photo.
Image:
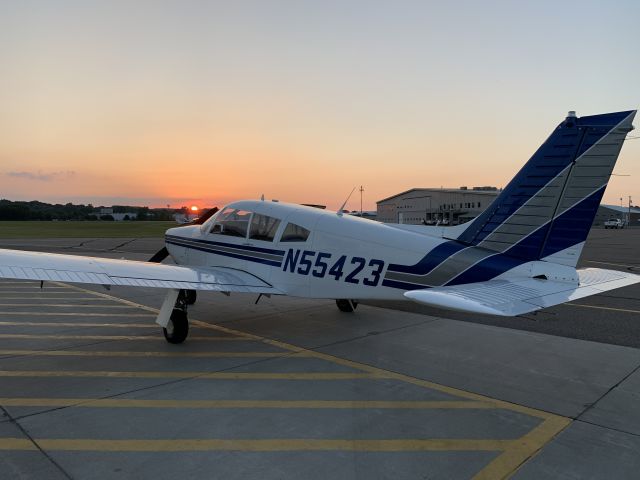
(620, 209)
(493, 193)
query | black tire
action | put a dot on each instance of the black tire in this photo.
(178, 328)
(189, 296)
(346, 305)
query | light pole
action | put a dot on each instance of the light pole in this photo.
(361, 190)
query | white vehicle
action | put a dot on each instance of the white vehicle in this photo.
(518, 256)
(614, 223)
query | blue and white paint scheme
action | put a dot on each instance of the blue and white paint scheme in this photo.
(518, 256)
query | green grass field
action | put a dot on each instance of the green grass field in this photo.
(10, 229)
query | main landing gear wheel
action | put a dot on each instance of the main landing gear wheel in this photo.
(188, 296)
(347, 305)
(178, 327)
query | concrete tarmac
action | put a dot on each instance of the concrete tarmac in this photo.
(293, 388)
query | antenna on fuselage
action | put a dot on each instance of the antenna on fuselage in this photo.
(339, 212)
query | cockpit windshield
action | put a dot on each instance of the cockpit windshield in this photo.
(233, 222)
(237, 222)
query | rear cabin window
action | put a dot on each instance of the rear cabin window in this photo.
(263, 228)
(232, 222)
(294, 233)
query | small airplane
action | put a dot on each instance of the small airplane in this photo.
(518, 256)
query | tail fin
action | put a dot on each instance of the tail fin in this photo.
(548, 208)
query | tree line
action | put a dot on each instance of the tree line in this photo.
(35, 210)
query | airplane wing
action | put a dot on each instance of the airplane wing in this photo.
(102, 271)
(518, 296)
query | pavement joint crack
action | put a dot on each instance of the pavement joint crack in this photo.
(35, 443)
(612, 388)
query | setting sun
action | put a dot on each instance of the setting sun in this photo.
(194, 208)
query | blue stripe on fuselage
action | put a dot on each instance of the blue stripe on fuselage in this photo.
(402, 285)
(431, 260)
(212, 249)
(228, 245)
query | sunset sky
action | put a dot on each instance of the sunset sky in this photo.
(195, 102)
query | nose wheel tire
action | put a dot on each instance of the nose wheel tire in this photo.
(348, 306)
(178, 327)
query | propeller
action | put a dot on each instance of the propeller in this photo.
(159, 256)
(163, 253)
(204, 217)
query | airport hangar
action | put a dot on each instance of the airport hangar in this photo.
(631, 216)
(453, 206)
(433, 205)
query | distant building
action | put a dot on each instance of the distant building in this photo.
(432, 205)
(605, 212)
(118, 217)
(365, 214)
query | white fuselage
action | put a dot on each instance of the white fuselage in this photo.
(343, 257)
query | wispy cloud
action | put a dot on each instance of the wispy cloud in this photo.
(41, 176)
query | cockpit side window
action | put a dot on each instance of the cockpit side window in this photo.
(263, 228)
(232, 222)
(294, 233)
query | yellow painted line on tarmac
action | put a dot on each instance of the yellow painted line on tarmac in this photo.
(155, 311)
(515, 452)
(90, 353)
(114, 337)
(62, 305)
(178, 374)
(76, 314)
(35, 287)
(80, 324)
(381, 373)
(626, 310)
(520, 450)
(59, 297)
(270, 445)
(17, 444)
(39, 292)
(277, 404)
